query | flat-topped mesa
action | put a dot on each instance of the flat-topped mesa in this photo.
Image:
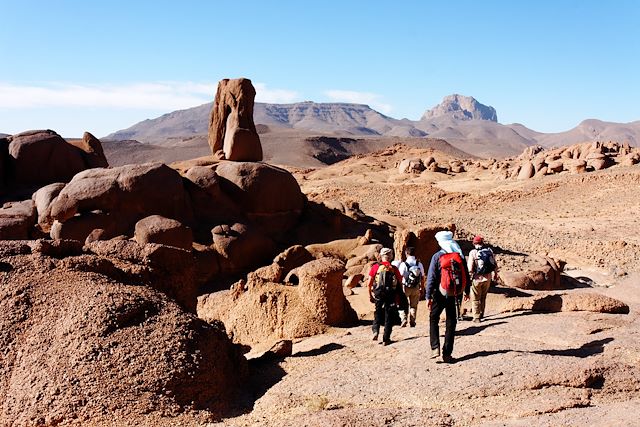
(232, 133)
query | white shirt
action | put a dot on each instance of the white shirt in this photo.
(404, 267)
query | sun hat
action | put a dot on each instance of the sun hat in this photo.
(446, 242)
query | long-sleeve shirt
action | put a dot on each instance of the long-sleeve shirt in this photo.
(433, 276)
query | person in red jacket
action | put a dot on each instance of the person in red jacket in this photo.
(384, 287)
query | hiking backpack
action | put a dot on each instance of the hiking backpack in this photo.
(485, 263)
(414, 277)
(385, 281)
(452, 278)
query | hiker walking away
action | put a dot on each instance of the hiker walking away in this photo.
(413, 277)
(447, 280)
(483, 268)
(384, 288)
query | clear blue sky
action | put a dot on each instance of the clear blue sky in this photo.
(105, 65)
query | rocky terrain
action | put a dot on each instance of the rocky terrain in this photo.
(222, 290)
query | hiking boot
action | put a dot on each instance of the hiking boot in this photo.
(375, 336)
(386, 342)
(412, 324)
(435, 353)
(446, 358)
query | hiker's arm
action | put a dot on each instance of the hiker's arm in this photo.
(370, 287)
(433, 277)
(470, 261)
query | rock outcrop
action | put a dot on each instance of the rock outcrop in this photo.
(232, 133)
(40, 157)
(550, 303)
(462, 108)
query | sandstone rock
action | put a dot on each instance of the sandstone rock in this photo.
(57, 248)
(80, 226)
(165, 231)
(428, 161)
(526, 171)
(556, 166)
(231, 128)
(577, 166)
(210, 204)
(17, 219)
(92, 152)
(241, 246)
(353, 281)
(127, 193)
(280, 350)
(81, 337)
(544, 274)
(411, 166)
(252, 187)
(567, 302)
(43, 198)
(291, 258)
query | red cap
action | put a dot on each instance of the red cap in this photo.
(478, 240)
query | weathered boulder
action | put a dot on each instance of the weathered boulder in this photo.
(165, 231)
(526, 171)
(543, 273)
(43, 198)
(92, 152)
(17, 219)
(210, 204)
(79, 227)
(353, 281)
(268, 195)
(127, 193)
(232, 133)
(555, 166)
(411, 166)
(422, 239)
(293, 257)
(241, 246)
(41, 157)
(567, 302)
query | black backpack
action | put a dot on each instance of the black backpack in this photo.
(414, 276)
(486, 262)
(385, 282)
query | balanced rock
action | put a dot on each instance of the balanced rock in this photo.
(232, 133)
(92, 151)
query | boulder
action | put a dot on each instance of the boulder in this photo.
(92, 152)
(291, 258)
(555, 166)
(79, 227)
(411, 166)
(127, 193)
(253, 186)
(210, 204)
(567, 302)
(543, 273)
(353, 281)
(43, 198)
(232, 133)
(17, 219)
(241, 246)
(526, 171)
(165, 231)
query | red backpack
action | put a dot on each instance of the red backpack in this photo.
(452, 278)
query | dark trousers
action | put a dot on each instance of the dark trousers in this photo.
(382, 316)
(448, 304)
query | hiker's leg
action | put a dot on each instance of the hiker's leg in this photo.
(476, 296)
(388, 321)
(414, 296)
(450, 332)
(378, 316)
(483, 300)
(437, 305)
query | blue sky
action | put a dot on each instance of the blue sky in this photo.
(105, 65)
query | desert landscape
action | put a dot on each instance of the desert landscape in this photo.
(219, 277)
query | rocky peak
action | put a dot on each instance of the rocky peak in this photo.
(462, 108)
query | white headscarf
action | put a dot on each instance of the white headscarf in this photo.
(446, 242)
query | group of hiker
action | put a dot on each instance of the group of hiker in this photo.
(395, 287)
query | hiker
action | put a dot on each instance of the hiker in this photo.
(384, 292)
(483, 269)
(447, 280)
(412, 272)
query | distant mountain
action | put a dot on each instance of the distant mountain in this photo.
(461, 108)
(460, 120)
